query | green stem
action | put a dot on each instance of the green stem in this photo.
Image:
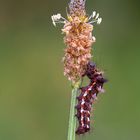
(72, 118)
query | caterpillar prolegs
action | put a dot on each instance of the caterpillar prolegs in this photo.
(87, 96)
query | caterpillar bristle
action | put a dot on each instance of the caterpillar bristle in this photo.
(87, 96)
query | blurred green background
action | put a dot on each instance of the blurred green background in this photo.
(34, 94)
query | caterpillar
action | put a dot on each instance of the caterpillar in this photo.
(87, 96)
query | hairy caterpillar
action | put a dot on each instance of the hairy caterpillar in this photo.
(87, 96)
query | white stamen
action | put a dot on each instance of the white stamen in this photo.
(99, 20)
(93, 21)
(58, 19)
(93, 14)
(94, 39)
(97, 16)
(54, 24)
(59, 16)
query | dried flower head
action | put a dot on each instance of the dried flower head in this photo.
(78, 38)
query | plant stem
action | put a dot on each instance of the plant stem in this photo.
(72, 119)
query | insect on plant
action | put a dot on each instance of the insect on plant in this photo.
(77, 28)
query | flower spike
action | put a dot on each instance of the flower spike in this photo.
(78, 28)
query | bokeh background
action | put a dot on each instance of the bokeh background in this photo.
(34, 94)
